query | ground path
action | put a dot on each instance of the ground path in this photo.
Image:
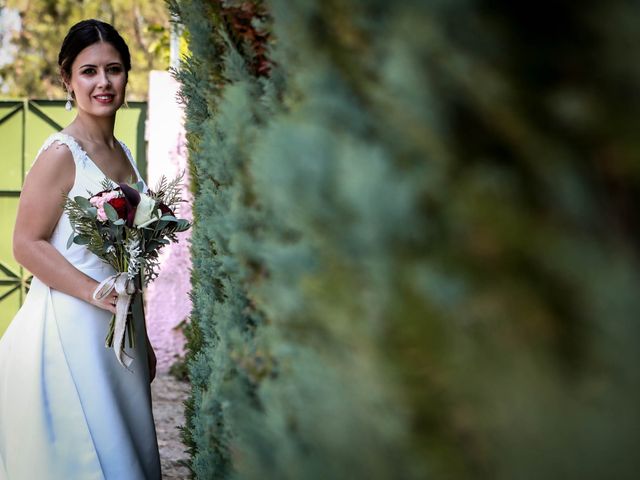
(168, 395)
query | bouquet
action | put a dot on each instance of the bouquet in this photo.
(126, 228)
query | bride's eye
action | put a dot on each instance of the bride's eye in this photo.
(88, 71)
(115, 69)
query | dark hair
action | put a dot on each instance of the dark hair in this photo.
(86, 33)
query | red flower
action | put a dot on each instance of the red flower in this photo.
(120, 206)
(165, 210)
(132, 199)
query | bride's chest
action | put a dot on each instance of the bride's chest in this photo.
(112, 164)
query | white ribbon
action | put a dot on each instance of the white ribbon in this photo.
(125, 288)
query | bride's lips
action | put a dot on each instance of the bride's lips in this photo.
(104, 98)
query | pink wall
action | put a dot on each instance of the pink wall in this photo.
(167, 300)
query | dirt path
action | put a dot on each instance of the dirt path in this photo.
(168, 410)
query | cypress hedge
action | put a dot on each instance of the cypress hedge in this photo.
(415, 251)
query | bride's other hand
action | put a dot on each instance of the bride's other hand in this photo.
(107, 303)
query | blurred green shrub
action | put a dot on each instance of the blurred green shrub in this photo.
(416, 244)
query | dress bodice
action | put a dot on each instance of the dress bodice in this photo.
(88, 180)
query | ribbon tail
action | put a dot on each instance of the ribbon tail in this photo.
(125, 359)
(122, 308)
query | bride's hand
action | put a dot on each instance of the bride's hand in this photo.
(108, 303)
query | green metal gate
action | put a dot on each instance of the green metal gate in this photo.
(24, 125)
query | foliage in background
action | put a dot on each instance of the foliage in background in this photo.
(415, 250)
(179, 369)
(33, 73)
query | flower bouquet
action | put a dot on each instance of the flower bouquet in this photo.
(126, 227)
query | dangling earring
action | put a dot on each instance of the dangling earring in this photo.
(67, 106)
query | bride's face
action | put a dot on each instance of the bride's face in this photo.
(98, 80)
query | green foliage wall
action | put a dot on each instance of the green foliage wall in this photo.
(415, 252)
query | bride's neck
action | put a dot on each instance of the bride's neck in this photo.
(97, 131)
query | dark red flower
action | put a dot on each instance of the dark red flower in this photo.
(165, 210)
(120, 206)
(132, 198)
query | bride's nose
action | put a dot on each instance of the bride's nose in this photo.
(103, 78)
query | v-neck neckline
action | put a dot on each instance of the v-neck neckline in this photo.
(86, 155)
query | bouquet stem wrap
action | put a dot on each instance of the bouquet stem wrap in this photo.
(125, 288)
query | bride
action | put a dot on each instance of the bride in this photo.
(68, 410)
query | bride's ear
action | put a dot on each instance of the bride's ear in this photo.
(66, 81)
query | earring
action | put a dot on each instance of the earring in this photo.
(125, 103)
(67, 106)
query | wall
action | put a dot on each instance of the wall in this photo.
(167, 300)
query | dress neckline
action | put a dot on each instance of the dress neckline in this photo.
(86, 156)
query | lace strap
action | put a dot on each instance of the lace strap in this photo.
(79, 156)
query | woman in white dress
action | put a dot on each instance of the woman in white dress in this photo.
(68, 409)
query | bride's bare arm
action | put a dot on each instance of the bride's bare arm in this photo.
(39, 210)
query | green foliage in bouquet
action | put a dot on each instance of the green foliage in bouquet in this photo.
(415, 251)
(126, 227)
(109, 239)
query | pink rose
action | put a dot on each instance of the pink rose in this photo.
(100, 199)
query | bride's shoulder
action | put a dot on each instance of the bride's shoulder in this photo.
(59, 139)
(54, 162)
(55, 149)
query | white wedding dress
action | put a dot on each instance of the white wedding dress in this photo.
(68, 409)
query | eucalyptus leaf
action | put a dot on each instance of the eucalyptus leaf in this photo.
(111, 212)
(92, 211)
(139, 186)
(169, 218)
(183, 225)
(70, 241)
(152, 245)
(81, 240)
(119, 222)
(82, 202)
